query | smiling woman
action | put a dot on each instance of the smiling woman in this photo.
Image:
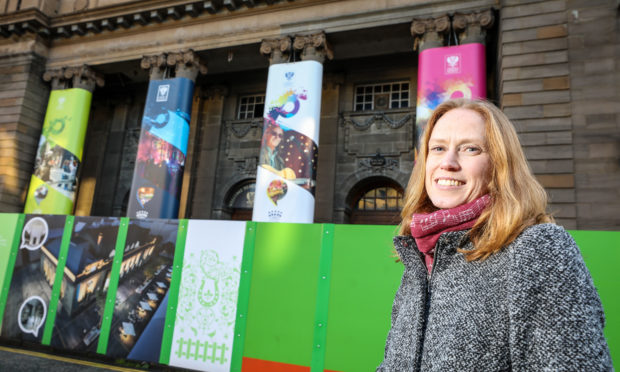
(490, 283)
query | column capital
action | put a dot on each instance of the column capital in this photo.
(313, 47)
(278, 50)
(156, 64)
(187, 64)
(79, 76)
(472, 27)
(429, 32)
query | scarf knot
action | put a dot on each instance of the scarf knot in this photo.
(427, 227)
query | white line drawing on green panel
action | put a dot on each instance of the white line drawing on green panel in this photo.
(207, 298)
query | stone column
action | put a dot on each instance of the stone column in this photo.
(429, 32)
(201, 165)
(167, 115)
(288, 159)
(52, 187)
(472, 27)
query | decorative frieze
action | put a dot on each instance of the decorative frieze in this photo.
(313, 47)
(378, 163)
(278, 50)
(363, 122)
(472, 27)
(74, 77)
(240, 128)
(429, 32)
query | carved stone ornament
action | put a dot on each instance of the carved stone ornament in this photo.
(186, 63)
(378, 163)
(240, 128)
(377, 118)
(472, 27)
(429, 32)
(213, 91)
(74, 76)
(278, 50)
(247, 166)
(313, 47)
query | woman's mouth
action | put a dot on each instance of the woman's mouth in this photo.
(449, 182)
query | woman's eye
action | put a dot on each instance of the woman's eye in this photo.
(436, 148)
(472, 149)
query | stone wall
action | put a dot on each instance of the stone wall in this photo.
(23, 100)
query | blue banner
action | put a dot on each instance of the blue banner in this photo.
(158, 173)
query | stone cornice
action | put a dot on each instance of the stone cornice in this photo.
(125, 16)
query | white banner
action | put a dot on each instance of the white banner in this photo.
(286, 175)
(205, 320)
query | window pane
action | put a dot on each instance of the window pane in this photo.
(380, 204)
(369, 204)
(392, 204)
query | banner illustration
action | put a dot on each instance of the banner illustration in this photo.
(85, 283)
(59, 155)
(205, 319)
(446, 73)
(162, 149)
(286, 175)
(33, 278)
(142, 293)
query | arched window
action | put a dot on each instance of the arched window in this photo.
(376, 201)
(241, 201)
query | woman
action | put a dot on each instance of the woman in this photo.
(490, 283)
(269, 149)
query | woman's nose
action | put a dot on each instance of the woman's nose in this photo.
(450, 161)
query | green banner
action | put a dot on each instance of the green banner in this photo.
(58, 158)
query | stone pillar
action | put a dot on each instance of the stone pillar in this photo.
(202, 163)
(472, 27)
(288, 159)
(429, 32)
(21, 118)
(328, 156)
(52, 187)
(155, 193)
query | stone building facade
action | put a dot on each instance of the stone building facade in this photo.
(553, 67)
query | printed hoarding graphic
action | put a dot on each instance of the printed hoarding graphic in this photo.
(33, 277)
(286, 175)
(85, 283)
(59, 155)
(162, 149)
(447, 73)
(142, 292)
(207, 300)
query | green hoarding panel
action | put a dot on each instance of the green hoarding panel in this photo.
(8, 226)
(59, 155)
(280, 321)
(365, 276)
(601, 252)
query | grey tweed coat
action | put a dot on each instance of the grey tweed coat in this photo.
(530, 307)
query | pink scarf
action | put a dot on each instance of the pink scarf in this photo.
(427, 227)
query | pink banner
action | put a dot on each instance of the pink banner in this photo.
(449, 72)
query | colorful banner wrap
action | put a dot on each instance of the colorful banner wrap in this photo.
(449, 72)
(162, 149)
(286, 174)
(58, 158)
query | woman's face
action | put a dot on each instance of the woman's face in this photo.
(275, 137)
(458, 167)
